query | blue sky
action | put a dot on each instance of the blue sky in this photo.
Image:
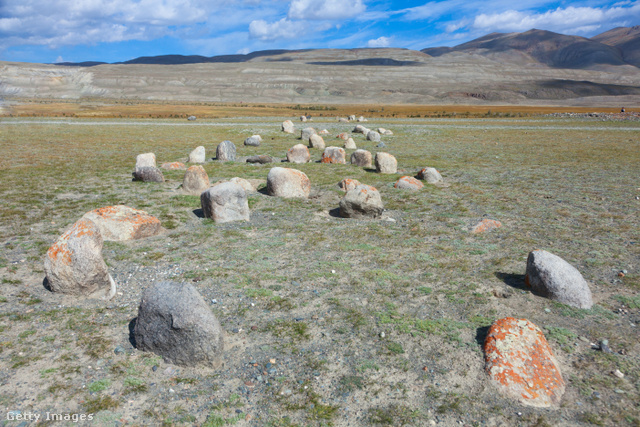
(118, 30)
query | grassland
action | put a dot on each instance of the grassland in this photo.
(316, 292)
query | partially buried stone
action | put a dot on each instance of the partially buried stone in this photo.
(120, 223)
(148, 174)
(253, 141)
(261, 159)
(364, 201)
(520, 363)
(176, 323)
(74, 264)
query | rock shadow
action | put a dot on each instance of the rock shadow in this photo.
(481, 335)
(335, 213)
(514, 280)
(370, 170)
(46, 284)
(198, 212)
(132, 336)
(263, 191)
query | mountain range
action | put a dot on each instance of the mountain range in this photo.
(619, 46)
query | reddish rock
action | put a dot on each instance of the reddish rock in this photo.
(334, 155)
(486, 225)
(520, 363)
(348, 184)
(119, 223)
(343, 136)
(173, 166)
(408, 183)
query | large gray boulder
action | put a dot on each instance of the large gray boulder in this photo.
(386, 163)
(253, 141)
(364, 201)
(74, 265)
(195, 180)
(146, 160)
(175, 322)
(198, 155)
(362, 158)
(288, 127)
(374, 136)
(333, 155)
(299, 153)
(360, 129)
(306, 133)
(350, 144)
(316, 141)
(226, 151)
(288, 183)
(550, 276)
(148, 174)
(225, 202)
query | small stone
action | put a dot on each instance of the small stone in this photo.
(618, 374)
(249, 384)
(604, 346)
(272, 360)
(155, 368)
(547, 310)
(119, 350)
(596, 395)
(238, 411)
(382, 334)
(254, 328)
(235, 330)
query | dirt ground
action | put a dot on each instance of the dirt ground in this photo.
(328, 321)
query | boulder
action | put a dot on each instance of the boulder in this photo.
(374, 136)
(383, 131)
(360, 129)
(348, 184)
(120, 223)
(431, 175)
(386, 163)
(350, 144)
(226, 151)
(343, 120)
(288, 127)
(408, 183)
(362, 158)
(249, 186)
(173, 166)
(261, 159)
(550, 276)
(362, 119)
(146, 160)
(352, 117)
(198, 155)
(74, 265)
(253, 141)
(288, 183)
(333, 155)
(225, 202)
(175, 322)
(364, 201)
(191, 118)
(344, 136)
(306, 133)
(521, 365)
(486, 225)
(381, 145)
(148, 174)
(299, 153)
(323, 132)
(195, 180)
(303, 118)
(316, 141)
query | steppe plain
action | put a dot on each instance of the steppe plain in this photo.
(329, 321)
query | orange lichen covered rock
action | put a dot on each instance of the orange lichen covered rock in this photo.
(119, 223)
(333, 155)
(299, 153)
(173, 166)
(348, 184)
(364, 201)
(74, 265)
(486, 225)
(520, 362)
(408, 183)
(343, 136)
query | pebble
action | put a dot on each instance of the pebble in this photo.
(547, 310)
(294, 283)
(314, 317)
(382, 334)
(238, 411)
(155, 368)
(618, 374)
(235, 330)
(618, 391)
(254, 328)
(249, 384)
(596, 395)
(604, 346)
(119, 350)
(214, 301)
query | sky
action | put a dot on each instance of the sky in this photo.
(49, 31)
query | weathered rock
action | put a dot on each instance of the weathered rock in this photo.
(550, 276)
(350, 144)
(74, 265)
(431, 175)
(175, 322)
(195, 180)
(146, 160)
(288, 183)
(374, 136)
(362, 158)
(249, 186)
(120, 223)
(173, 166)
(148, 174)
(323, 132)
(362, 119)
(288, 127)
(381, 145)
(316, 141)
(299, 153)
(383, 131)
(364, 201)
(386, 163)
(261, 158)
(348, 184)
(521, 364)
(344, 136)
(360, 129)
(226, 151)
(333, 155)
(191, 118)
(486, 225)
(225, 202)
(303, 118)
(352, 117)
(253, 141)
(408, 183)
(198, 155)
(343, 120)
(306, 133)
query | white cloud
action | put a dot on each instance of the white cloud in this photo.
(282, 29)
(59, 60)
(325, 9)
(379, 42)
